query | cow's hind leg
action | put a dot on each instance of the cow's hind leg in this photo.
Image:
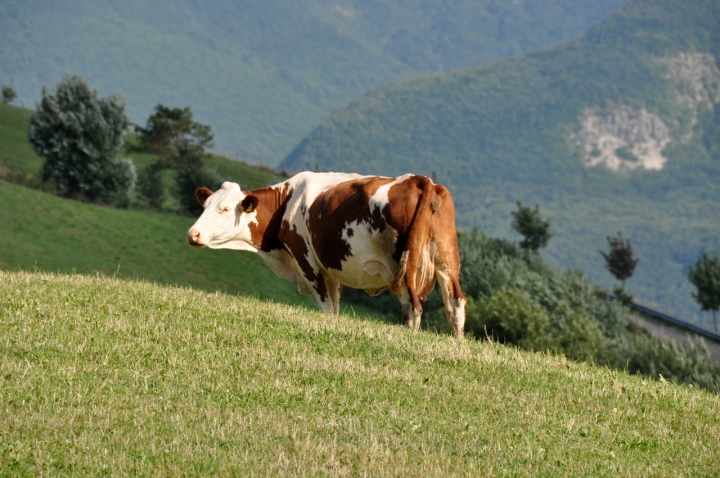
(454, 301)
(334, 291)
(411, 308)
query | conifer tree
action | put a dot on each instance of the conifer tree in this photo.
(531, 226)
(706, 277)
(620, 261)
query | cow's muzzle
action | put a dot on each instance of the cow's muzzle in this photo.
(194, 238)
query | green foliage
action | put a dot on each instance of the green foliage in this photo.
(151, 186)
(502, 132)
(180, 142)
(705, 276)
(191, 173)
(21, 165)
(519, 300)
(170, 130)
(511, 317)
(80, 136)
(531, 226)
(620, 261)
(8, 94)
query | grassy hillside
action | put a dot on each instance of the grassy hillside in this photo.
(101, 375)
(47, 233)
(498, 133)
(263, 74)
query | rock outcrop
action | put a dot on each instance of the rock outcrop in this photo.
(624, 138)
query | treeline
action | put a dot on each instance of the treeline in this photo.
(81, 137)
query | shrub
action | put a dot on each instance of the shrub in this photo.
(80, 135)
(521, 301)
(511, 317)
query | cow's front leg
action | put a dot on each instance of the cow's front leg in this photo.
(411, 308)
(327, 294)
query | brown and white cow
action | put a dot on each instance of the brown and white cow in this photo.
(326, 230)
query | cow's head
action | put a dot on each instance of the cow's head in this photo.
(225, 222)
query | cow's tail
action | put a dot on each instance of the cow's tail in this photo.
(420, 267)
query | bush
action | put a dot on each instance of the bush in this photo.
(511, 317)
(80, 136)
(519, 300)
(8, 94)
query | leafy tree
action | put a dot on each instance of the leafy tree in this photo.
(531, 226)
(80, 136)
(180, 142)
(620, 261)
(169, 130)
(706, 277)
(8, 94)
(150, 185)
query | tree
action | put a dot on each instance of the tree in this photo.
(180, 142)
(8, 94)
(620, 261)
(706, 277)
(531, 226)
(80, 136)
(191, 173)
(170, 129)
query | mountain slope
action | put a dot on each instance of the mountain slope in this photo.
(263, 74)
(617, 130)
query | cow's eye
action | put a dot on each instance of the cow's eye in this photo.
(225, 210)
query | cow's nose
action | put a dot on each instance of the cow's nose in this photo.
(194, 237)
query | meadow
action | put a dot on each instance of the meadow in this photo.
(102, 375)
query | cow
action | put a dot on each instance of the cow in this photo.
(325, 230)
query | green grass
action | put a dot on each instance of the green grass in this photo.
(17, 158)
(105, 376)
(48, 233)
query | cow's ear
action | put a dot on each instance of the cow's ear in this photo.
(202, 194)
(249, 204)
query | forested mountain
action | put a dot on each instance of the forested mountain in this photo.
(264, 73)
(616, 130)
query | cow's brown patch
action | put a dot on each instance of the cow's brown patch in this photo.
(296, 246)
(343, 204)
(269, 204)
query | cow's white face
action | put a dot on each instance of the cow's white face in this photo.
(224, 224)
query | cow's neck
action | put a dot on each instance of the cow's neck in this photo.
(272, 202)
